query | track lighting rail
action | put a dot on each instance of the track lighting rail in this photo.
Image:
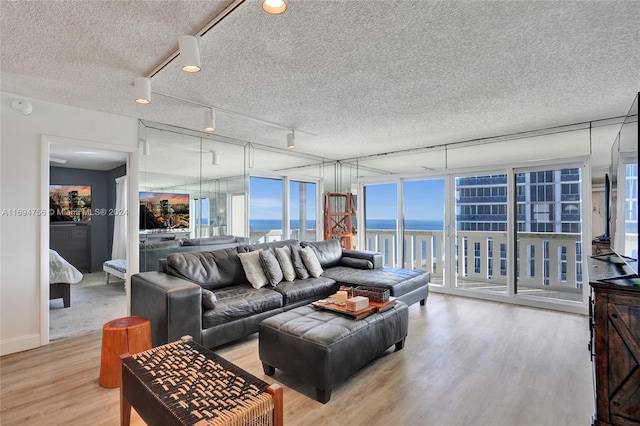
(228, 111)
(215, 21)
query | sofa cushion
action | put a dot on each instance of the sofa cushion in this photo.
(269, 245)
(241, 301)
(311, 261)
(209, 299)
(210, 269)
(352, 262)
(398, 280)
(270, 266)
(283, 254)
(328, 252)
(160, 244)
(311, 288)
(218, 239)
(253, 268)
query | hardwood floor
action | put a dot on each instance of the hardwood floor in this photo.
(465, 362)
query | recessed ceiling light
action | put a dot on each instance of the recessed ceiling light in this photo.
(274, 7)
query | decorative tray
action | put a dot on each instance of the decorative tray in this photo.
(329, 305)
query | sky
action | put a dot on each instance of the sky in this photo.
(157, 196)
(266, 199)
(424, 200)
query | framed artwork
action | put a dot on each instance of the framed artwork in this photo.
(69, 203)
(161, 210)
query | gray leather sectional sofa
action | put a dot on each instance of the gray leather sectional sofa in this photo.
(207, 294)
(153, 250)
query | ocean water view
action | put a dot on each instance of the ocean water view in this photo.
(411, 224)
(257, 225)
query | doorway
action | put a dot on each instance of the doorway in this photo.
(79, 186)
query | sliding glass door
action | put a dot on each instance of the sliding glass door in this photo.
(625, 238)
(549, 233)
(381, 220)
(281, 208)
(266, 209)
(511, 233)
(302, 210)
(423, 208)
(481, 232)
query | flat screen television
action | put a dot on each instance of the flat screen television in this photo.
(623, 192)
(164, 211)
(69, 203)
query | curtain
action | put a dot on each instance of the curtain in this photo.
(119, 248)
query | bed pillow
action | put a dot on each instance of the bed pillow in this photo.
(283, 254)
(253, 268)
(270, 266)
(311, 261)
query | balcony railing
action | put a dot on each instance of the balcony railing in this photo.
(546, 261)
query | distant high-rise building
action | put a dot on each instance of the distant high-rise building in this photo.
(547, 201)
(164, 208)
(73, 200)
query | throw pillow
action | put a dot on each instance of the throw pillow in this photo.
(283, 254)
(253, 269)
(311, 261)
(209, 299)
(271, 267)
(298, 264)
(356, 263)
(329, 251)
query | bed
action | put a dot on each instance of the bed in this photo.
(61, 275)
(115, 267)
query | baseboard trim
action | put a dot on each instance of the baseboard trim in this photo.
(19, 344)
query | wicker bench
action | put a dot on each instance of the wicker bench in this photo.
(183, 383)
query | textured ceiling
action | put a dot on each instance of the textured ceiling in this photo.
(363, 76)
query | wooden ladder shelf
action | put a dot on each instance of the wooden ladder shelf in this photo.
(339, 211)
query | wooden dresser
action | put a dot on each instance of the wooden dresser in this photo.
(615, 340)
(72, 240)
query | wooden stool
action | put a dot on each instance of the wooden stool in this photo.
(122, 335)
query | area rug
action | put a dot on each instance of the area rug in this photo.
(93, 303)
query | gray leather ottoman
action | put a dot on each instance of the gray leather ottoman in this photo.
(324, 348)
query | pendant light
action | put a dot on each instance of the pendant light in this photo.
(291, 140)
(146, 147)
(209, 121)
(189, 53)
(142, 89)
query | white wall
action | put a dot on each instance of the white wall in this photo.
(21, 188)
